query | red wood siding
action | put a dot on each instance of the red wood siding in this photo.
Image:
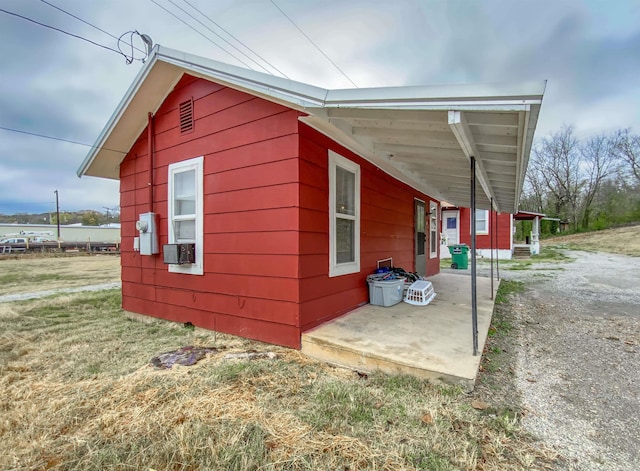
(387, 230)
(250, 149)
(266, 221)
(483, 240)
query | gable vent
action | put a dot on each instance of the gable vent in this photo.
(186, 116)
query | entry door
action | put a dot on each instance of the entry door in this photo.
(420, 238)
(450, 223)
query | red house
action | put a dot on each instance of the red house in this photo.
(257, 206)
(494, 232)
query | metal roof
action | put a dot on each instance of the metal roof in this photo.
(423, 136)
(528, 215)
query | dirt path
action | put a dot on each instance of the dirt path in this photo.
(577, 358)
(8, 298)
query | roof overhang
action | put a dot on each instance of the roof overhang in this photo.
(423, 136)
(528, 216)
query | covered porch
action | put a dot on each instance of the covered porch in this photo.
(531, 245)
(432, 342)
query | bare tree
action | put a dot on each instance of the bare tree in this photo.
(555, 165)
(598, 163)
(628, 147)
(534, 195)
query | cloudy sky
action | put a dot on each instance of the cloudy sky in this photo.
(60, 86)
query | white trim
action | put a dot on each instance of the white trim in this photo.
(335, 268)
(510, 232)
(501, 254)
(196, 164)
(433, 228)
(486, 223)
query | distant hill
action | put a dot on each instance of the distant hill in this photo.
(87, 217)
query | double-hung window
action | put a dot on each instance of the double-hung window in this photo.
(344, 216)
(482, 221)
(185, 210)
(433, 229)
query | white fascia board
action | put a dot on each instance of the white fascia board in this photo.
(117, 114)
(258, 83)
(442, 95)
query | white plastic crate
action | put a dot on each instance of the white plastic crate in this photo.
(420, 293)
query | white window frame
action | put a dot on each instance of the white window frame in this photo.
(196, 164)
(486, 222)
(433, 228)
(335, 268)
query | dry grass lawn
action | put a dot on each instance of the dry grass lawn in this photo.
(78, 394)
(27, 273)
(621, 240)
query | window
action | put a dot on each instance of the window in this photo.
(433, 229)
(344, 216)
(451, 222)
(184, 209)
(482, 221)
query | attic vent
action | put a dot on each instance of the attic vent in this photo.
(186, 116)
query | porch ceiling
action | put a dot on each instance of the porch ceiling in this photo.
(431, 148)
(423, 136)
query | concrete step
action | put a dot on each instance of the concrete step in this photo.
(521, 252)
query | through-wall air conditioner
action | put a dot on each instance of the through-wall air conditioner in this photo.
(179, 254)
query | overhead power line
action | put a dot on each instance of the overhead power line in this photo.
(59, 139)
(87, 23)
(218, 35)
(201, 34)
(239, 42)
(314, 44)
(61, 31)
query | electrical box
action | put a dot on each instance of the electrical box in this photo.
(179, 254)
(147, 227)
(136, 244)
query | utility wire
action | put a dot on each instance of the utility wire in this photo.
(59, 139)
(314, 44)
(202, 34)
(240, 42)
(87, 23)
(221, 37)
(61, 31)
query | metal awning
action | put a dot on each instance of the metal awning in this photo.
(423, 136)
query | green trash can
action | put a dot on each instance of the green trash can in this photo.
(459, 256)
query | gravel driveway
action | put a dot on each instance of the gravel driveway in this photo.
(575, 358)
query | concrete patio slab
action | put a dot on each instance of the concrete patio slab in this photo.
(433, 342)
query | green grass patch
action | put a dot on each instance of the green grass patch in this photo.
(508, 288)
(551, 253)
(501, 326)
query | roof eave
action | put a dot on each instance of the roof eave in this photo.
(119, 111)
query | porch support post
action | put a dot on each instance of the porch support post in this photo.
(474, 300)
(491, 243)
(495, 225)
(535, 237)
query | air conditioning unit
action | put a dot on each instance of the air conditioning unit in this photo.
(179, 254)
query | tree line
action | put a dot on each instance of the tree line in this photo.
(590, 183)
(85, 217)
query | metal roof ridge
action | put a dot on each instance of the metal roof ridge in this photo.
(498, 93)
